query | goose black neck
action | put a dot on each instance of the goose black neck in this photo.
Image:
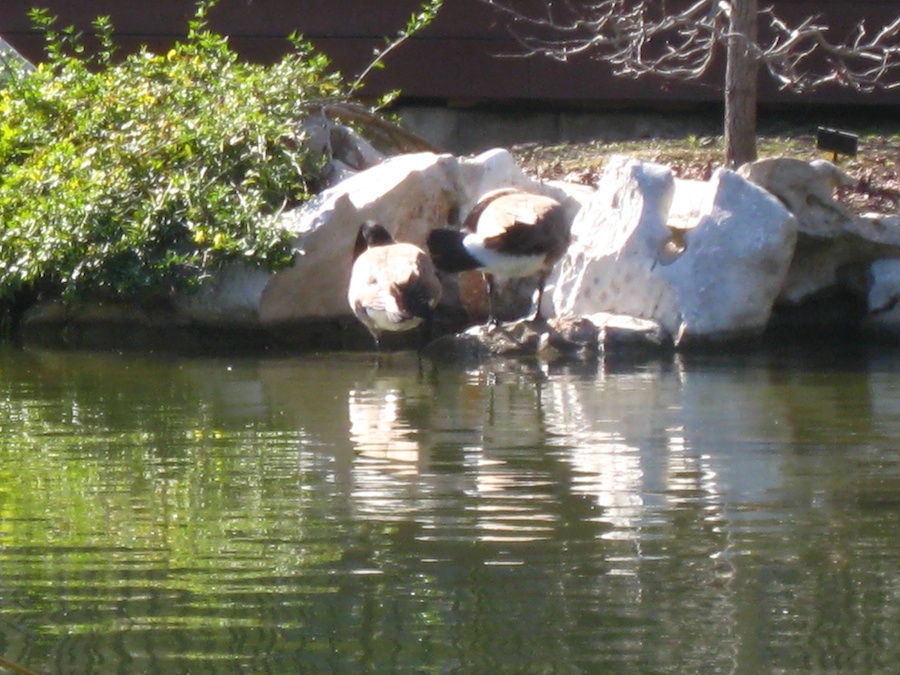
(448, 251)
(371, 234)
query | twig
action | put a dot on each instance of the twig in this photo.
(15, 667)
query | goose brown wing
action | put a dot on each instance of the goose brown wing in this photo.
(524, 224)
(519, 239)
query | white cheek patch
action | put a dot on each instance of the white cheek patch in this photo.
(390, 305)
(502, 264)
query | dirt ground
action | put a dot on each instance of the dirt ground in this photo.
(875, 168)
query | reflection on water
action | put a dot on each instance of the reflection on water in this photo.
(320, 514)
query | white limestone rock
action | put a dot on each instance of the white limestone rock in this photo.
(497, 168)
(832, 237)
(884, 287)
(807, 189)
(883, 298)
(619, 333)
(344, 151)
(231, 297)
(616, 239)
(408, 194)
(714, 272)
(880, 230)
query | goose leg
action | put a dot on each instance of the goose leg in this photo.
(377, 338)
(426, 333)
(538, 314)
(491, 284)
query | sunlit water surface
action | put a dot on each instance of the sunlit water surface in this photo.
(319, 514)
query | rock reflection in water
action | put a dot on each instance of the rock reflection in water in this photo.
(439, 451)
(378, 430)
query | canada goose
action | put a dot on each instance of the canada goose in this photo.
(510, 233)
(393, 286)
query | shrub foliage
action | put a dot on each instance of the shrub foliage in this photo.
(139, 176)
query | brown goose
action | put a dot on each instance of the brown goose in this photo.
(393, 286)
(510, 233)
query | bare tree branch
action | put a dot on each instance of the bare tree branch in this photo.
(640, 37)
(803, 58)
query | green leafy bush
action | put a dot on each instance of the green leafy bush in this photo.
(140, 176)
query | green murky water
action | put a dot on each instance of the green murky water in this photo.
(316, 514)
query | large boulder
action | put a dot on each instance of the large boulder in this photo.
(409, 195)
(807, 190)
(883, 299)
(832, 238)
(709, 269)
(843, 271)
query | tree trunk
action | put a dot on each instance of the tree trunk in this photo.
(741, 73)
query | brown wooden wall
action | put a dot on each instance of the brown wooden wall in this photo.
(458, 60)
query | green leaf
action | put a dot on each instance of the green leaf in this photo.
(137, 176)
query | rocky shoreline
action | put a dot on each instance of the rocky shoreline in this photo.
(655, 261)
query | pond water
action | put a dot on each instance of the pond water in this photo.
(737, 513)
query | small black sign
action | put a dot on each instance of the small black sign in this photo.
(833, 140)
